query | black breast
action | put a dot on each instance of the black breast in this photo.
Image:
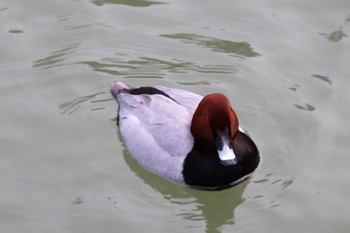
(203, 169)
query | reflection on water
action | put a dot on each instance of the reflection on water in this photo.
(334, 36)
(78, 201)
(151, 67)
(56, 58)
(322, 78)
(16, 31)
(306, 107)
(72, 106)
(239, 49)
(347, 19)
(214, 208)
(134, 3)
(64, 17)
(338, 34)
(196, 83)
(293, 88)
(284, 183)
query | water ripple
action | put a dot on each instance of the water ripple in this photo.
(238, 49)
(322, 78)
(56, 58)
(16, 30)
(203, 82)
(72, 106)
(152, 67)
(347, 19)
(4, 8)
(133, 3)
(334, 36)
(305, 107)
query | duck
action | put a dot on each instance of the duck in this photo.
(184, 137)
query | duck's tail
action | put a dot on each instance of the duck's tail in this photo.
(118, 87)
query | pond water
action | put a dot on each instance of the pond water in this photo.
(283, 65)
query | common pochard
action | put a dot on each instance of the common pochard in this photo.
(184, 137)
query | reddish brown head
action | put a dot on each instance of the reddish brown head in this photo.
(215, 124)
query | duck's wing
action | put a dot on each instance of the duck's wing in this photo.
(185, 98)
(156, 127)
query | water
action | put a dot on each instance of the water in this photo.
(284, 67)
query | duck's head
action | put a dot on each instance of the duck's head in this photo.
(215, 125)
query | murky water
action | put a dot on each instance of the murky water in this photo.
(283, 65)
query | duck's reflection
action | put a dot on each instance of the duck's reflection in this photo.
(215, 208)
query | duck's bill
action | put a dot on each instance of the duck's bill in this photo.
(223, 144)
(227, 156)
